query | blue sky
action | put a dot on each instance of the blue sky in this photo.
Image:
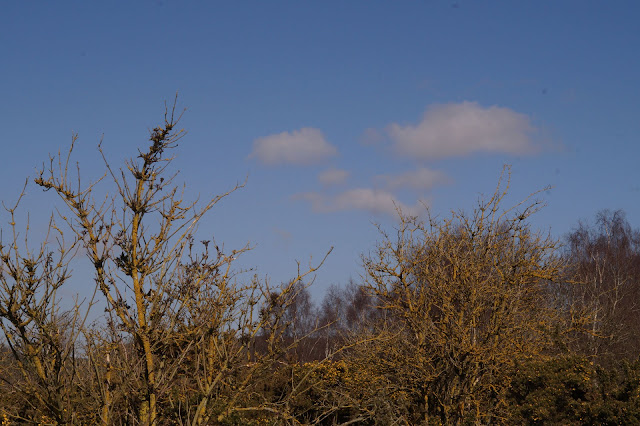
(333, 109)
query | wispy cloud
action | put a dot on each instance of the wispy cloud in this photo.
(304, 146)
(368, 199)
(372, 136)
(333, 177)
(460, 129)
(420, 179)
(285, 237)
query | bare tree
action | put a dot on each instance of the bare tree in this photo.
(40, 334)
(346, 309)
(605, 285)
(182, 327)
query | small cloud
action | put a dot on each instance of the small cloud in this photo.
(333, 177)
(368, 199)
(372, 136)
(304, 146)
(282, 233)
(462, 129)
(420, 179)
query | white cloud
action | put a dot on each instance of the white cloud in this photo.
(304, 146)
(333, 176)
(420, 179)
(461, 129)
(368, 199)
